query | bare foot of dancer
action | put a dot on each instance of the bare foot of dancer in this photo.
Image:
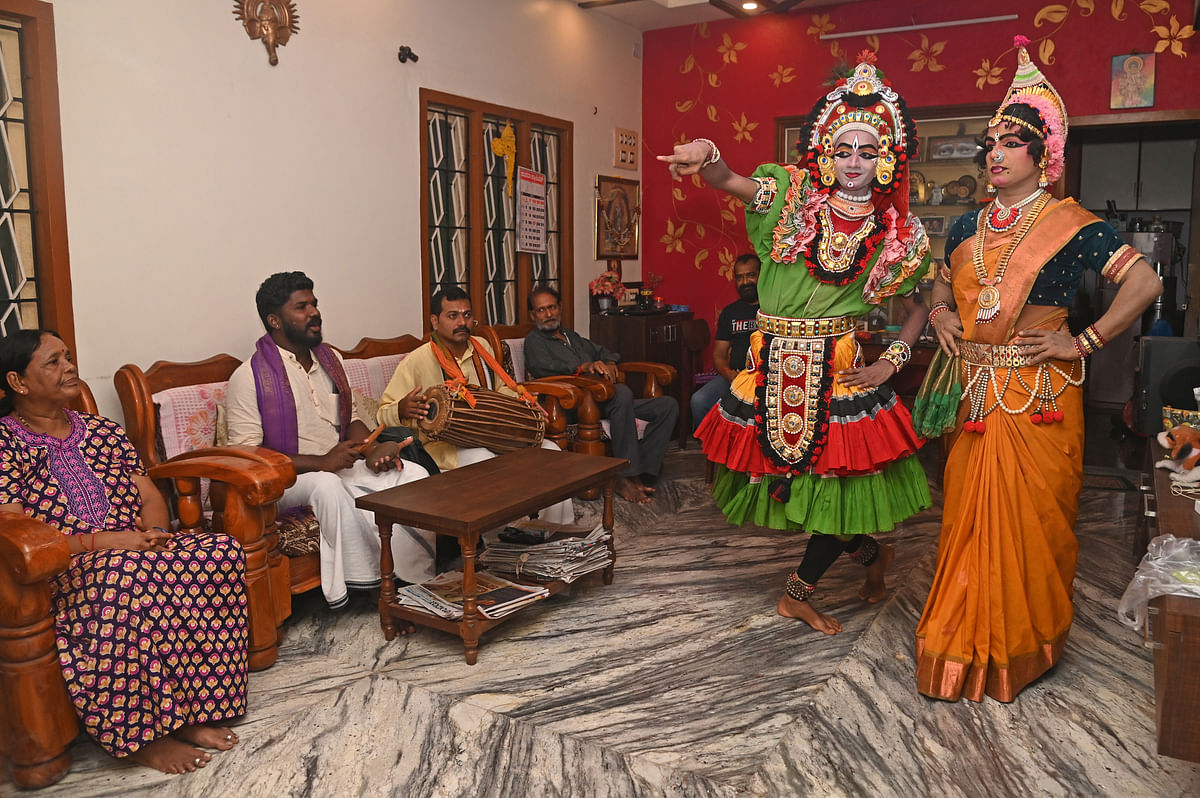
(170, 756)
(631, 491)
(208, 736)
(874, 590)
(804, 611)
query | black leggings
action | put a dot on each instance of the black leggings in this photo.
(821, 552)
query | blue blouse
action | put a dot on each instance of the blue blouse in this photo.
(1056, 284)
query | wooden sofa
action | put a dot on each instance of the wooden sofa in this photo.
(37, 719)
(167, 394)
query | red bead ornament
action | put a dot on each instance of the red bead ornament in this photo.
(1059, 415)
(968, 426)
(980, 427)
(1036, 418)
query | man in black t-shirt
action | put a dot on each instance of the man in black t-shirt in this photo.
(734, 327)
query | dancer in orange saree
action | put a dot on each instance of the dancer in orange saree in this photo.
(1000, 606)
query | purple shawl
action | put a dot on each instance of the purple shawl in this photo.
(277, 405)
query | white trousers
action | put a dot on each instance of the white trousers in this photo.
(561, 513)
(350, 537)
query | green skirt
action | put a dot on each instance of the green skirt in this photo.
(859, 505)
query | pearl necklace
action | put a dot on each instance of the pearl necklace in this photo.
(1001, 217)
(846, 195)
(837, 250)
(989, 296)
(849, 209)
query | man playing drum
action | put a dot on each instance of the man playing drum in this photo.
(455, 356)
(292, 395)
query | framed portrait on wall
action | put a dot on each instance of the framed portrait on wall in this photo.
(618, 207)
(1132, 81)
(787, 132)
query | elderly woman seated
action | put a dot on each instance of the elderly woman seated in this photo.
(150, 626)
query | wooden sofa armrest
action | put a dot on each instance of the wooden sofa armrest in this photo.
(37, 719)
(568, 395)
(658, 376)
(254, 479)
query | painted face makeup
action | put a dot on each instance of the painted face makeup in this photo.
(854, 159)
(1007, 159)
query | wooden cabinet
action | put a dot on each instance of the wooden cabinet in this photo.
(656, 337)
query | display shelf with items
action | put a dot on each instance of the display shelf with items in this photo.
(944, 180)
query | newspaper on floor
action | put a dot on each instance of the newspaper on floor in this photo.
(495, 596)
(563, 558)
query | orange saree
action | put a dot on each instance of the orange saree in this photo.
(999, 609)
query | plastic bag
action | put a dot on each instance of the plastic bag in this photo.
(1171, 567)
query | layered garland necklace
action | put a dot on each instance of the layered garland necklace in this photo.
(989, 296)
(838, 257)
(1002, 217)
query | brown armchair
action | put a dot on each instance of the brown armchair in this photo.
(590, 435)
(37, 719)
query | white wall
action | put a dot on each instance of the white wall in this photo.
(194, 169)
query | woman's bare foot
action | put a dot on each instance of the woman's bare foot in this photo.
(170, 756)
(874, 589)
(208, 736)
(804, 611)
(631, 491)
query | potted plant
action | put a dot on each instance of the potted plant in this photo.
(607, 288)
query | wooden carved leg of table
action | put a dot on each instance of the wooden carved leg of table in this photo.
(608, 526)
(387, 589)
(469, 626)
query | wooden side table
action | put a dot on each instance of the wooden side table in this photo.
(471, 500)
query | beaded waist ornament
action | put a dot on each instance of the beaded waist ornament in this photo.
(805, 328)
(981, 364)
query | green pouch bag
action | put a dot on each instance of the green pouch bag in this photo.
(936, 407)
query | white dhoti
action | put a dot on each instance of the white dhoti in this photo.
(561, 513)
(350, 537)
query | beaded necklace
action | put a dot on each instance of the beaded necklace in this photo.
(989, 297)
(849, 208)
(1001, 217)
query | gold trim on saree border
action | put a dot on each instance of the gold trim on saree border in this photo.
(805, 328)
(996, 355)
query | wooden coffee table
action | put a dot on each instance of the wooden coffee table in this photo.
(467, 502)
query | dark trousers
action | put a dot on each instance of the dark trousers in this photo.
(622, 411)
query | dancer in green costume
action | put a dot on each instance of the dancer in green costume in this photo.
(810, 437)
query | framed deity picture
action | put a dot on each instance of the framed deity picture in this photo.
(951, 148)
(1132, 81)
(618, 208)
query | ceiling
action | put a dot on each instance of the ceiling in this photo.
(654, 14)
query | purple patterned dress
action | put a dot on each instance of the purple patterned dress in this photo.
(149, 641)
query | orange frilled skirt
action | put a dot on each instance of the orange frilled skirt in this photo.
(1000, 607)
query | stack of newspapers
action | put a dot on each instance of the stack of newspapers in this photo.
(443, 595)
(560, 557)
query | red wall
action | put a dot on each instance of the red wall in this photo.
(728, 82)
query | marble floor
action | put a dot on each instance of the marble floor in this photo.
(680, 680)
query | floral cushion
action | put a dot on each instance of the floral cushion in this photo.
(187, 416)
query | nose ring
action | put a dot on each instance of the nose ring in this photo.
(998, 158)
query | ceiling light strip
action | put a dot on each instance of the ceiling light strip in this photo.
(926, 26)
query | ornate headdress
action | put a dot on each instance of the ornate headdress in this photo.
(1030, 88)
(863, 101)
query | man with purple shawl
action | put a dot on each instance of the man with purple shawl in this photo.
(292, 396)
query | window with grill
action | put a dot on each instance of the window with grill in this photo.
(34, 272)
(469, 212)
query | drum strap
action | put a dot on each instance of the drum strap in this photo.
(457, 382)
